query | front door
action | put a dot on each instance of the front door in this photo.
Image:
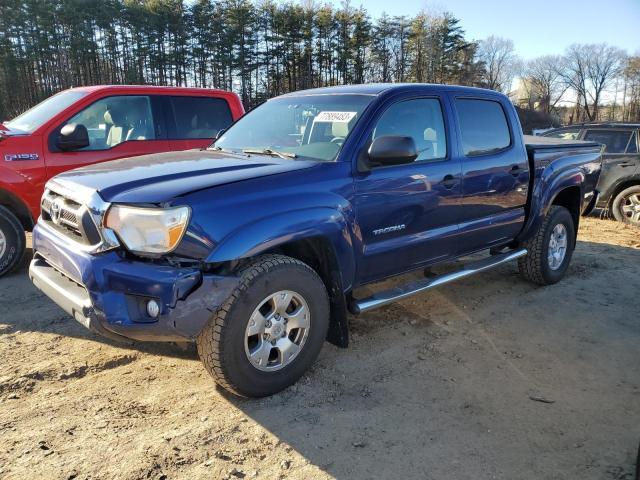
(407, 214)
(620, 159)
(118, 126)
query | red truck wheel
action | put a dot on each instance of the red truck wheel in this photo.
(12, 241)
(269, 331)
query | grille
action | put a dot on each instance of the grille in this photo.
(69, 217)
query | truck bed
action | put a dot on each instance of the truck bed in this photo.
(533, 142)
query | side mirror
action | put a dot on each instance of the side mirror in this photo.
(219, 134)
(73, 136)
(393, 150)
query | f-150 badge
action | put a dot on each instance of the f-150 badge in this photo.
(16, 157)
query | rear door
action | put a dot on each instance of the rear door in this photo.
(194, 122)
(620, 159)
(495, 172)
(407, 214)
(119, 126)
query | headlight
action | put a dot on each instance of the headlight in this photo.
(148, 230)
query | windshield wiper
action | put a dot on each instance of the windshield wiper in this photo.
(268, 151)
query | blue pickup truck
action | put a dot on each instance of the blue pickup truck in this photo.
(253, 247)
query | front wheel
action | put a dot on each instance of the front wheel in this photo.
(269, 330)
(550, 249)
(626, 206)
(12, 241)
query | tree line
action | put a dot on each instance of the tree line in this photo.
(257, 49)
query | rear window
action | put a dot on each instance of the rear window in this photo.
(615, 141)
(200, 117)
(483, 126)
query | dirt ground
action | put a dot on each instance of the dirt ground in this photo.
(489, 378)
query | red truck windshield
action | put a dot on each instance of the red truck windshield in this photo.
(42, 112)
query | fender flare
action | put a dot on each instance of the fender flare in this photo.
(548, 191)
(268, 233)
(14, 203)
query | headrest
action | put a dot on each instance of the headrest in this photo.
(114, 117)
(430, 135)
(340, 129)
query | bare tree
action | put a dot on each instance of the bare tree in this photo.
(588, 70)
(544, 82)
(631, 94)
(501, 64)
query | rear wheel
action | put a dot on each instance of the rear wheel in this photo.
(550, 249)
(270, 329)
(12, 241)
(626, 206)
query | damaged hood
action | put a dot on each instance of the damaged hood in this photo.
(162, 177)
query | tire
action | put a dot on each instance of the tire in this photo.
(12, 241)
(224, 345)
(626, 206)
(536, 266)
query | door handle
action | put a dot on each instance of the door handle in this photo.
(626, 164)
(448, 181)
(516, 170)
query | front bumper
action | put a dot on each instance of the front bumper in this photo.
(107, 292)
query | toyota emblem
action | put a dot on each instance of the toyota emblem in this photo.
(56, 209)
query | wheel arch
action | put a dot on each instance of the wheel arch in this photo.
(623, 185)
(17, 207)
(570, 198)
(319, 237)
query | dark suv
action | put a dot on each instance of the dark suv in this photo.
(619, 183)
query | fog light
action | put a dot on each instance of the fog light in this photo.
(153, 309)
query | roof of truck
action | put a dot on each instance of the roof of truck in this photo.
(374, 89)
(599, 125)
(153, 88)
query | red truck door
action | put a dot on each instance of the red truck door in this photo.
(194, 122)
(118, 126)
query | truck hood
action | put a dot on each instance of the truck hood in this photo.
(5, 131)
(162, 177)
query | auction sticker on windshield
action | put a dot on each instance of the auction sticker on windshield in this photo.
(344, 117)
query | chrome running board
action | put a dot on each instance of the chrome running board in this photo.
(398, 293)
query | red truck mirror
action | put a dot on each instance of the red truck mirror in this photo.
(73, 136)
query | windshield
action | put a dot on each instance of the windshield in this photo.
(309, 127)
(38, 115)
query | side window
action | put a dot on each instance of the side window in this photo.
(420, 119)
(615, 141)
(200, 117)
(483, 126)
(633, 144)
(113, 120)
(566, 134)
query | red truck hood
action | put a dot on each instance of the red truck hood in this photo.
(162, 177)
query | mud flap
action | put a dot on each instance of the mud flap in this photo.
(338, 333)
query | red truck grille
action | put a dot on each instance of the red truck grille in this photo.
(69, 217)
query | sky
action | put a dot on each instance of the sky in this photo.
(537, 27)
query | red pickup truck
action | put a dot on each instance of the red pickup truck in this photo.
(87, 125)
